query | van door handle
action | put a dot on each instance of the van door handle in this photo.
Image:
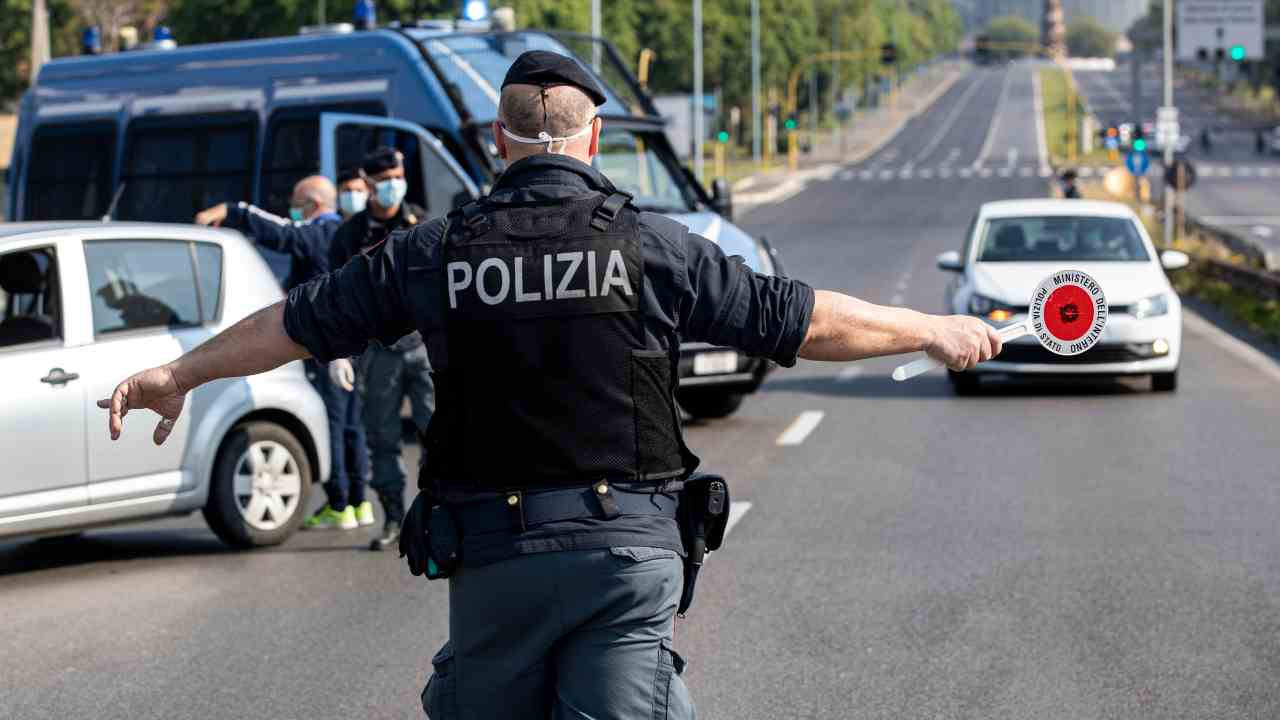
(58, 376)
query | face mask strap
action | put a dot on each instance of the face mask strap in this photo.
(545, 137)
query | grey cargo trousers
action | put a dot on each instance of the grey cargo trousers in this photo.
(573, 635)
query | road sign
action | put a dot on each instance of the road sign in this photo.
(1138, 163)
(1067, 315)
(1234, 26)
(1068, 312)
(1188, 174)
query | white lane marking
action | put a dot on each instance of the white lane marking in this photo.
(1012, 157)
(926, 173)
(800, 428)
(944, 172)
(966, 172)
(1265, 172)
(995, 121)
(1027, 172)
(1245, 171)
(906, 172)
(737, 509)
(849, 373)
(846, 175)
(965, 97)
(1004, 172)
(984, 172)
(1041, 147)
(886, 174)
(1242, 350)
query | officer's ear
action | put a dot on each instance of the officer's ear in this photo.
(499, 140)
(596, 126)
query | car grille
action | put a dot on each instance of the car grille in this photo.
(1098, 354)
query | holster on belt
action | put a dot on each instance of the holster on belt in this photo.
(703, 516)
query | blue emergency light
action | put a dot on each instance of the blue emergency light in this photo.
(365, 15)
(475, 10)
(162, 32)
(91, 40)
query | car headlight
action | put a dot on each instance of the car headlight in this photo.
(1151, 306)
(989, 308)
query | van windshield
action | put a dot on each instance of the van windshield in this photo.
(476, 64)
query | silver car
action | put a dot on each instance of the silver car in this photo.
(83, 306)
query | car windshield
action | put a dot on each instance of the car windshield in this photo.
(1061, 238)
(476, 64)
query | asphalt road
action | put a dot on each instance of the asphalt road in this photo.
(1237, 187)
(1070, 550)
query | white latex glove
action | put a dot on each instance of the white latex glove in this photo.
(342, 374)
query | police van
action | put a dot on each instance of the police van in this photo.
(159, 134)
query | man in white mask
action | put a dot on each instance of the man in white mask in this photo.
(387, 374)
(353, 194)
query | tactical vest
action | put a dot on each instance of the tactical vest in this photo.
(550, 381)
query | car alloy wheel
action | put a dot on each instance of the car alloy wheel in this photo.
(268, 485)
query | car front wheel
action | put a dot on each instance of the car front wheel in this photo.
(1164, 382)
(709, 404)
(260, 485)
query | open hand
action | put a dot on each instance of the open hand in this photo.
(960, 342)
(155, 389)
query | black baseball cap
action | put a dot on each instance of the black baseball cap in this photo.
(381, 159)
(547, 69)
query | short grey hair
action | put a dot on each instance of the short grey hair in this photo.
(561, 110)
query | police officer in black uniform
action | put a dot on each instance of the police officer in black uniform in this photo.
(553, 310)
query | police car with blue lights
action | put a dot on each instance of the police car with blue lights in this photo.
(160, 133)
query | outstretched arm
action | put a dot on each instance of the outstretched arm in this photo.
(254, 345)
(846, 328)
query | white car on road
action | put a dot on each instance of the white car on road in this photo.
(1012, 245)
(83, 306)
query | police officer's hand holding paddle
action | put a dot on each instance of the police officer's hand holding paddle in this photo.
(552, 310)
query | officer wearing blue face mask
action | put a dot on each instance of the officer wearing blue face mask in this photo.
(387, 373)
(306, 242)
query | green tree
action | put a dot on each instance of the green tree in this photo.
(1011, 29)
(15, 42)
(1087, 37)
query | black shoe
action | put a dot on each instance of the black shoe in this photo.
(390, 537)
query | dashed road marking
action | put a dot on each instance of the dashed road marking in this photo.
(737, 508)
(800, 428)
(849, 373)
(866, 174)
(846, 175)
(1026, 172)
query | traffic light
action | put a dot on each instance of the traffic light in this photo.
(790, 123)
(1237, 53)
(1202, 54)
(723, 136)
(1139, 138)
(1219, 54)
(888, 54)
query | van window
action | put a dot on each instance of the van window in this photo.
(70, 172)
(354, 141)
(209, 273)
(141, 283)
(293, 150)
(178, 166)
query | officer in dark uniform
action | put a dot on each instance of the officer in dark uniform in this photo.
(553, 310)
(1069, 189)
(306, 241)
(387, 374)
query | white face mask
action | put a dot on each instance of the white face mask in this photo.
(351, 202)
(545, 137)
(390, 192)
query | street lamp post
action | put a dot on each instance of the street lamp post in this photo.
(1168, 102)
(596, 32)
(755, 82)
(699, 106)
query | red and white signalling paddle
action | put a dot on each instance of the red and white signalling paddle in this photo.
(1067, 315)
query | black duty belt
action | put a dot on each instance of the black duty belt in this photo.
(516, 511)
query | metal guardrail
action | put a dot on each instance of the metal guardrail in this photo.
(1262, 283)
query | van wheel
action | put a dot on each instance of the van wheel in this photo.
(964, 383)
(709, 404)
(260, 486)
(1164, 382)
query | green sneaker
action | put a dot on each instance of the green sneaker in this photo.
(364, 513)
(330, 519)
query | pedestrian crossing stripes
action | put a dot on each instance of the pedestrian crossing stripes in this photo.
(909, 171)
